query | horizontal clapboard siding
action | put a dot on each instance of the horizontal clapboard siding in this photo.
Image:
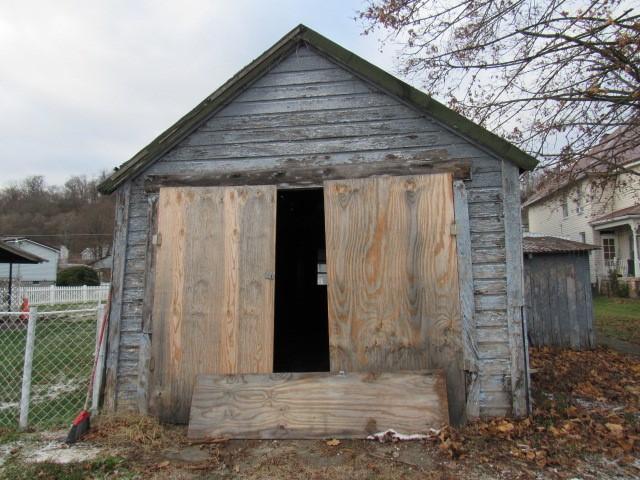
(310, 111)
(489, 275)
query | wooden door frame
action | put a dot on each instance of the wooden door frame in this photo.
(467, 300)
(465, 278)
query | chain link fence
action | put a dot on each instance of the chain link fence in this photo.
(46, 359)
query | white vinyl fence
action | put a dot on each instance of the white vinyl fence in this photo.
(62, 295)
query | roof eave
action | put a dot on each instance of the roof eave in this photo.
(421, 100)
(21, 256)
(632, 216)
(185, 125)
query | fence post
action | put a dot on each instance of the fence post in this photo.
(26, 371)
(100, 352)
(52, 294)
(84, 293)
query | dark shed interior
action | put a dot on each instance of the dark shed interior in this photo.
(301, 330)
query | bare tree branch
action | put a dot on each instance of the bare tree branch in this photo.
(553, 76)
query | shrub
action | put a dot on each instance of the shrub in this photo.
(623, 290)
(617, 288)
(76, 276)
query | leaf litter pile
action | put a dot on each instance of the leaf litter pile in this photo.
(584, 403)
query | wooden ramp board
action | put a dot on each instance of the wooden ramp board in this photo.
(317, 405)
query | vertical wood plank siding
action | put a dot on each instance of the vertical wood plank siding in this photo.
(565, 319)
(308, 110)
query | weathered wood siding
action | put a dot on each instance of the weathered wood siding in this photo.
(308, 110)
(558, 300)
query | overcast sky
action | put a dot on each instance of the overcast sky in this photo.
(85, 84)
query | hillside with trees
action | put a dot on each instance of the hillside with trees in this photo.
(74, 215)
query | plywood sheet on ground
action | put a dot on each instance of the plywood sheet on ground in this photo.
(317, 405)
(213, 296)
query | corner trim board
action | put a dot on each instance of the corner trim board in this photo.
(518, 344)
(120, 235)
(144, 357)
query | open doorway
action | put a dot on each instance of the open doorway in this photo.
(301, 330)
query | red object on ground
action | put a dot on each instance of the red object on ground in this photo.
(81, 417)
(24, 307)
(82, 422)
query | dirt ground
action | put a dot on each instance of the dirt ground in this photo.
(585, 424)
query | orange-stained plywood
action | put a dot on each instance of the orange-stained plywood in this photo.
(213, 295)
(392, 276)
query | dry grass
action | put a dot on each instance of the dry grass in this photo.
(130, 429)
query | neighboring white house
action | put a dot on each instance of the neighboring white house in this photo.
(609, 218)
(41, 273)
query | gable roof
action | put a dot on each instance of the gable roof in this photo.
(612, 149)
(621, 214)
(303, 34)
(20, 240)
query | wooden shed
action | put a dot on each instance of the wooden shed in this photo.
(558, 295)
(317, 214)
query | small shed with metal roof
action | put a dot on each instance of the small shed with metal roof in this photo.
(558, 297)
(10, 255)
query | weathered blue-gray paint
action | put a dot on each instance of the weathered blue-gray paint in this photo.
(310, 111)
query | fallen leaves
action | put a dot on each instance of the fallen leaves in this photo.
(505, 427)
(583, 402)
(616, 430)
(451, 442)
(334, 442)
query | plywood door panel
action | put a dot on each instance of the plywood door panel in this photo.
(213, 302)
(317, 405)
(392, 277)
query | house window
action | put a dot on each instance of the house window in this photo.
(565, 207)
(609, 249)
(583, 237)
(579, 199)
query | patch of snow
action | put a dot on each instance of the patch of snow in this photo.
(51, 392)
(393, 436)
(43, 393)
(8, 405)
(6, 450)
(58, 452)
